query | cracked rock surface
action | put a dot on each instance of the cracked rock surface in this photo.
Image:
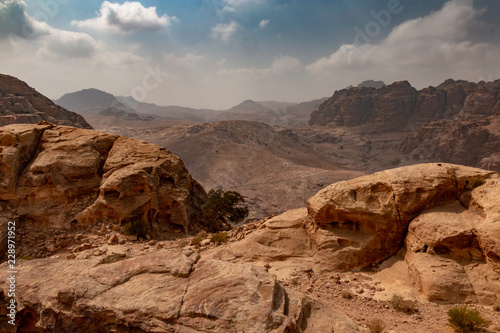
(164, 291)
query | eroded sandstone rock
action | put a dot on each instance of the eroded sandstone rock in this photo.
(445, 216)
(66, 177)
(364, 220)
(165, 291)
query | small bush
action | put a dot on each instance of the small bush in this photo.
(219, 237)
(198, 238)
(465, 320)
(347, 294)
(376, 326)
(136, 227)
(403, 305)
(27, 257)
(223, 208)
(294, 281)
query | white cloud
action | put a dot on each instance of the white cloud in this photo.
(233, 5)
(264, 23)
(224, 31)
(188, 60)
(126, 18)
(17, 26)
(429, 48)
(70, 44)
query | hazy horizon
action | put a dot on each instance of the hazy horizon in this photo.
(216, 54)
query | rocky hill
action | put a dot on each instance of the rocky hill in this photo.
(90, 101)
(19, 103)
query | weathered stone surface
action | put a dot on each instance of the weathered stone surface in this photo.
(165, 291)
(19, 103)
(281, 237)
(364, 220)
(66, 177)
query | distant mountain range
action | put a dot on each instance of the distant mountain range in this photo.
(94, 101)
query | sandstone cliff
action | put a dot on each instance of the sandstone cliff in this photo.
(19, 103)
(57, 177)
(399, 106)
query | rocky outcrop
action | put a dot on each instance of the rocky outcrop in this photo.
(366, 219)
(400, 107)
(445, 216)
(163, 291)
(386, 109)
(65, 177)
(19, 103)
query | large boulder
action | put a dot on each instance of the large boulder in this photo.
(365, 220)
(66, 178)
(163, 291)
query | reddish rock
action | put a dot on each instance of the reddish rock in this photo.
(19, 103)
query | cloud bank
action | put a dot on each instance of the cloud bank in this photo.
(434, 45)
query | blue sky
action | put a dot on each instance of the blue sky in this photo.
(217, 53)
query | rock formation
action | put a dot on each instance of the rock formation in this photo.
(19, 103)
(65, 177)
(163, 291)
(385, 109)
(444, 215)
(455, 122)
(399, 106)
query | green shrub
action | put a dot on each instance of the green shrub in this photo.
(465, 320)
(403, 305)
(219, 237)
(376, 325)
(294, 281)
(136, 227)
(198, 238)
(223, 208)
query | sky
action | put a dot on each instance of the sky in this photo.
(218, 53)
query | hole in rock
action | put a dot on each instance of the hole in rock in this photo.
(167, 181)
(344, 242)
(441, 249)
(111, 194)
